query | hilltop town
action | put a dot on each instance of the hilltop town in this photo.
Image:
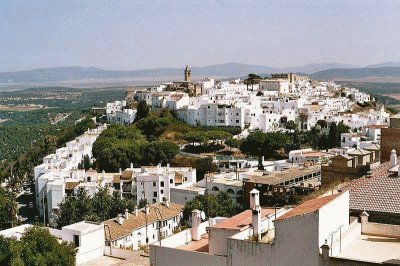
(280, 170)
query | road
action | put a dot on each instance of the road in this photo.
(25, 202)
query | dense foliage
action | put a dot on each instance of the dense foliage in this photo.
(22, 168)
(118, 146)
(36, 247)
(8, 209)
(276, 145)
(212, 205)
(102, 206)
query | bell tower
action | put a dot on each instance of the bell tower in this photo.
(188, 74)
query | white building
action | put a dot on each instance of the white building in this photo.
(317, 232)
(144, 226)
(88, 238)
(56, 169)
(117, 113)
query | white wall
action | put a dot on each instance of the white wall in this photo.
(161, 256)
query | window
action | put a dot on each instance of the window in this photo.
(155, 194)
(76, 241)
(162, 191)
(171, 181)
(154, 184)
(162, 183)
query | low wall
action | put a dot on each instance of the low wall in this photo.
(347, 237)
(164, 256)
(119, 253)
(55, 232)
(386, 230)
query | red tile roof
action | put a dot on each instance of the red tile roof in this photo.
(378, 192)
(242, 219)
(309, 206)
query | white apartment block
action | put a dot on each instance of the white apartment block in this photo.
(143, 226)
(154, 183)
(268, 105)
(59, 167)
(117, 113)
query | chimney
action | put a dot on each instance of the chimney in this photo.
(325, 252)
(166, 203)
(254, 198)
(147, 209)
(120, 219)
(126, 214)
(120, 171)
(131, 165)
(135, 211)
(393, 158)
(196, 220)
(364, 220)
(256, 222)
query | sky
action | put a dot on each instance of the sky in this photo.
(136, 34)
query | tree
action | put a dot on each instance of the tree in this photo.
(102, 204)
(36, 247)
(332, 136)
(253, 145)
(196, 137)
(75, 209)
(143, 110)
(233, 143)
(212, 205)
(8, 209)
(303, 117)
(251, 79)
(157, 152)
(215, 135)
(290, 125)
(142, 203)
(273, 142)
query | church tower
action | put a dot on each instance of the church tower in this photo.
(188, 74)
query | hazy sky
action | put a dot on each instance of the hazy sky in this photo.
(146, 34)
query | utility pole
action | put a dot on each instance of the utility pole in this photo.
(44, 207)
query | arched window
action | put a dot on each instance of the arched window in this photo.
(215, 189)
(230, 191)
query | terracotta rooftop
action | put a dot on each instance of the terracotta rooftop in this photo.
(307, 207)
(127, 175)
(378, 192)
(71, 185)
(134, 222)
(243, 219)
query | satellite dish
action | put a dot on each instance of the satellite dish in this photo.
(203, 215)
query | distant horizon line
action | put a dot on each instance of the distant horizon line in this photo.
(195, 66)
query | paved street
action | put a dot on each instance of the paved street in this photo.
(25, 202)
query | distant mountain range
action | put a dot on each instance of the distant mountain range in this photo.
(331, 71)
(365, 73)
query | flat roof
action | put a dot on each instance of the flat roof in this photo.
(199, 245)
(242, 220)
(281, 176)
(83, 226)
(372, 249)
